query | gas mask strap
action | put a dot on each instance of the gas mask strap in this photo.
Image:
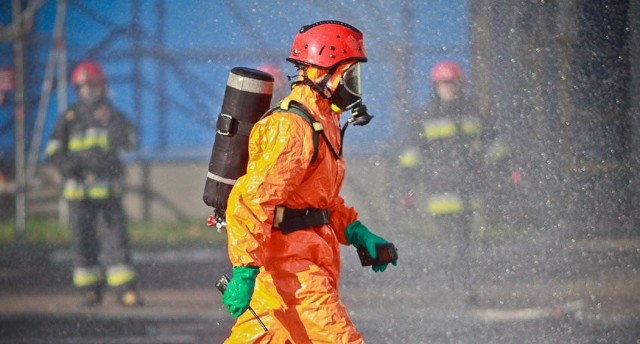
(342, 131)
(320, 87)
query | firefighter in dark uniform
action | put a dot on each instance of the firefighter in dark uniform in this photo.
(442, 166)
(84, 146)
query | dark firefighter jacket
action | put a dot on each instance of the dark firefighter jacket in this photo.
(84, 146)
(447, 155)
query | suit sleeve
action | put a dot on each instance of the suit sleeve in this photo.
(341, 216)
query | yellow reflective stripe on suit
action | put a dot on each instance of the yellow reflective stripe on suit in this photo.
(410, 158)
(91, 138)
(471, 127)
(52, 147)
(439, 128)
(75, 191)
(119, 275)
(444, 127)
(84, 277)
(445, 204)
(98, 192)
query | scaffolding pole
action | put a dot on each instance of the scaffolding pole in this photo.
(47, 88)
(19, 117)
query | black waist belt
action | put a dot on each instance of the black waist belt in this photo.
(290, 220)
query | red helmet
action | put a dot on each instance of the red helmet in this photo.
(88, 72)
(271, 69)
(327, 43)
(446, 71)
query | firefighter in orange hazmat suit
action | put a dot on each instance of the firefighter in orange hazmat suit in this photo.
(285, 218)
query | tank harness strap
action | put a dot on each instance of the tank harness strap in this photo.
(300, 110)
(290, 220)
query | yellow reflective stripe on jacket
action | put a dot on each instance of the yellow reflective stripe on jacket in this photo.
(471, 127)
(497, 151)
(84, 277)
(95, 137)
(75, 191)
(76, 143)
(52, 147)
(438, 129)
(98, 192)
(92, 138)
(410, 158)
(119, 275)
(446, 204)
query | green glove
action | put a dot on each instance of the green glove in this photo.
(359, 236)
(240, 289)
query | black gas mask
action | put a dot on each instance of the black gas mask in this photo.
(91, 95)
(348, 96)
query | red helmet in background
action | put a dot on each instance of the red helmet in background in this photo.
(88, 72)
(272, 69)
(447, 71)
(326, 44)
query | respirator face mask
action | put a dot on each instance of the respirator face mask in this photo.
(349, 91)
(90, 94)
(348, 96)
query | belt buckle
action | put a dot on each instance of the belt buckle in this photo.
(325, 216)
(279, 216)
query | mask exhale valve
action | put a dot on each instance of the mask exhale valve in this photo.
(360, 116)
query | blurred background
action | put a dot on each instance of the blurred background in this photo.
(559, 79)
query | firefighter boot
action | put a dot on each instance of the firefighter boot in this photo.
(90, 282)
(122, 279)
(92, 295)
(129, 296)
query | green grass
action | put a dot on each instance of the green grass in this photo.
(50, 232)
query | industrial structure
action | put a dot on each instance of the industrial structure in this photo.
(560, 78)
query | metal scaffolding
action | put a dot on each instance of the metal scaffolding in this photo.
(145, 44)
(536, 89)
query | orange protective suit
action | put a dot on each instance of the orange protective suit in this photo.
(296, 293)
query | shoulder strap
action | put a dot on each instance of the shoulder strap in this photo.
(318, 129)
(300, 110)
(316, 126)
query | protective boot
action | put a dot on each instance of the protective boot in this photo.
(92, 295)
(122, 279)
(129, 296)
(90, 282)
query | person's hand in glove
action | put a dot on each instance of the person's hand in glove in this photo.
(359, 236)
(240, 289)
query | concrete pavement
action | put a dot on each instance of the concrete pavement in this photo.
(588, 292)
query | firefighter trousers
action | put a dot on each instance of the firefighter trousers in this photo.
(455, 231)
(105, 219)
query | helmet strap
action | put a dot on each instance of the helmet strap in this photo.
(320, 87)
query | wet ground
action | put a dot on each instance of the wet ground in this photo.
(584, 291)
